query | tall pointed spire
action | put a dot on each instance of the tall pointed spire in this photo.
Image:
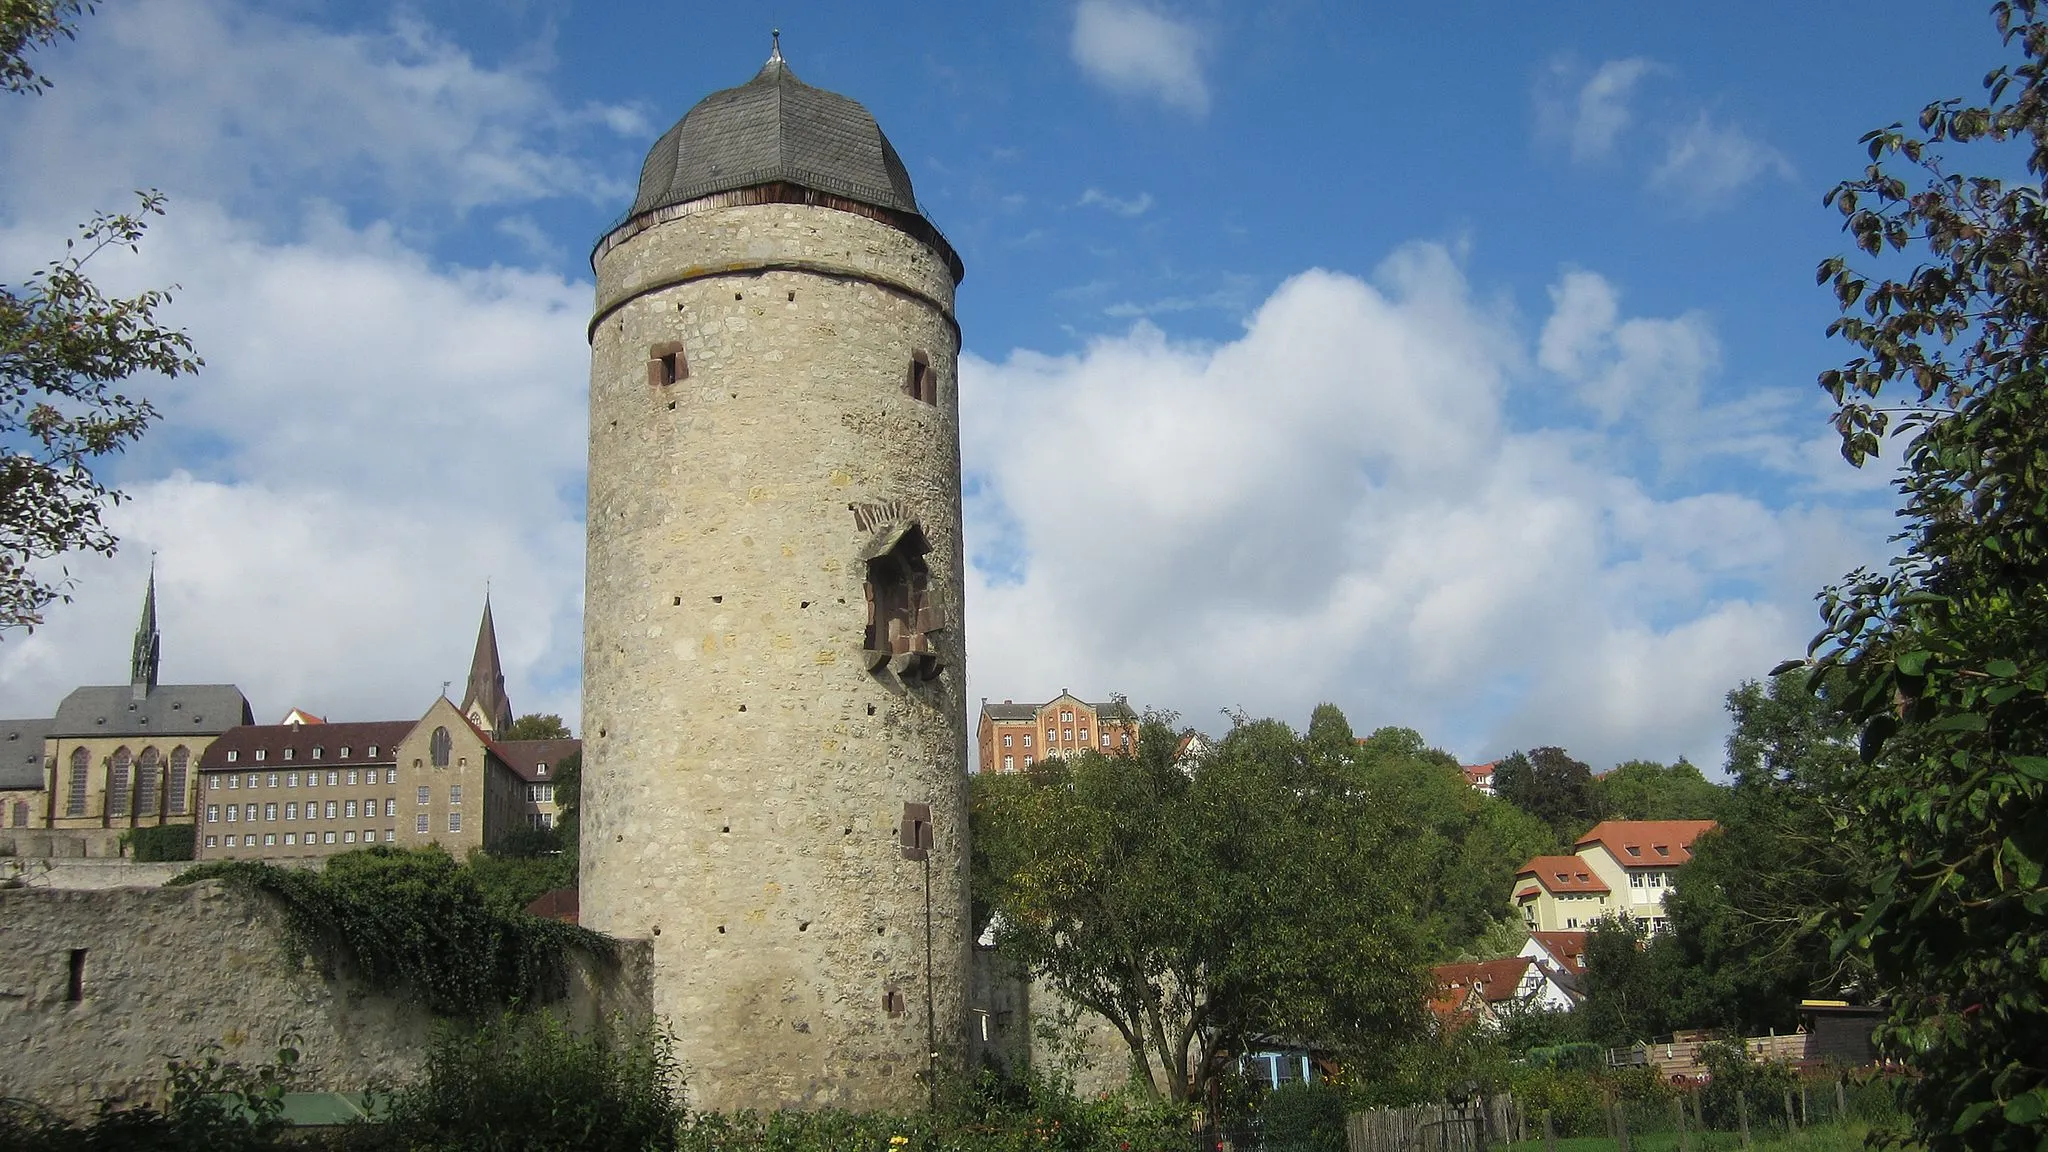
(484, 700)
(142, 660)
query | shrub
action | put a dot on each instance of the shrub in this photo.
(525, 1083)
(1734, 1077)
(1576, 1102)
(163, 842)
(1303, 1118)
(211, 1105)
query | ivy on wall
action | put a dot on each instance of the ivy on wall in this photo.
(416, 922)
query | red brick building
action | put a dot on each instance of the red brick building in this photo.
(1013, 736)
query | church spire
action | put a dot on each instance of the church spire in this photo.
(483, 701)
(142, 660)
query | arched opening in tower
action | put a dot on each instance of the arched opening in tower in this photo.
(901, 617)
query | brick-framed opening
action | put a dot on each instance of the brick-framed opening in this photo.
(666, 364)
(919, 381)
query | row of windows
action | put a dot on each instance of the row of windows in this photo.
(313, 809)
(291, 779)
(541, 793)
(233, 754)
(1052, 737)
(291, 839)
(126, 788)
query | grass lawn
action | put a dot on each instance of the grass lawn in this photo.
(1826, 1138)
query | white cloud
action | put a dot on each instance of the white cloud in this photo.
(1132, 49)
(1589, 116)
(233, 103)
(1647, 365)
(1135, 206)
(371, 440)
(1336, 506)
(1706, 163)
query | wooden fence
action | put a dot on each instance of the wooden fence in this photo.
(1489, 1121)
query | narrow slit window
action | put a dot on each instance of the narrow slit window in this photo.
(666, 365)
(922, 383)
(75, 991)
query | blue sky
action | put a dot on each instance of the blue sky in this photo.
(1451, 362)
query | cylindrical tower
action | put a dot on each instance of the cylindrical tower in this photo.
(774, 765)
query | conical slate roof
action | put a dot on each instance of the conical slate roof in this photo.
(775, 128)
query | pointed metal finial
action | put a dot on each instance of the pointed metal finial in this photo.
(444, 688)
(775, 45)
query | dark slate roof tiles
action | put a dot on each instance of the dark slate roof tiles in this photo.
(167, 710)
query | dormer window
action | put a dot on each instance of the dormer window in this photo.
(540, 770)
(373, 752)
(1633, 850)
(287, 754)
(231, 755)
(317, 750)
(259, 754)
(344, 751)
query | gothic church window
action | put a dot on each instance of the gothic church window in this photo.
(117, 783)
(148, 774)
(81, 766)
(440, 747)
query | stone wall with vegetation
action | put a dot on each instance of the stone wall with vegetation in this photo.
(98, 989)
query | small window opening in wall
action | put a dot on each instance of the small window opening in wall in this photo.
(914, 834)
(922, 383)
(871, 709)
(665, 365)
(679, 602)
(901, 617)
(75, 991)
(792, 296)
(736, 295)
(718, 599)
(893, 1002)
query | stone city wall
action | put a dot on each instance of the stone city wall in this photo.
(99, 989)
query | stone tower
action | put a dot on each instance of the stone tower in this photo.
(774, 787)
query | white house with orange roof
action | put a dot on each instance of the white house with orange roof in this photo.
(1639, 860)
(1560, 893)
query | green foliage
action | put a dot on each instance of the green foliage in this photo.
(1467, 845)
(524, 1082)
(1265, 892)
(509, 883)
(1943, 656)
(1628, 978)
(1577, 1102)
(986, 1114)
(1302, 1118)
(1531, 1028)
(538, 726)
(1425, 1068)
(1732, 1073)
(162, 842)
(211, 1105)
(1647, 790)
(568, 800)
(26, 25)
(1551, 786)
(417, 921)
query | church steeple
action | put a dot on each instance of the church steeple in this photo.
(142, 661)
(483, 701)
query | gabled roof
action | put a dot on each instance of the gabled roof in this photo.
(21, 752)
(1567, 948)
(1008, 711)
(332, 740)
(1647, 843)
(1496, 980)
(1474, 773)
(527, 757)
(167, 712)
(1561, 874)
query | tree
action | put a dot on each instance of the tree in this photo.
(1647, 790)
(1757, 908)
(1551, 786)
(1943, 654)
(65, 347)
(1628, 983)
(539, 726)
(1263, 893)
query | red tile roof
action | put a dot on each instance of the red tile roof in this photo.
(1475, 773)
(556, 904)
(1647, 843)
(1497, 980)
(1561, 874)
(1569, 948)
(274, 740)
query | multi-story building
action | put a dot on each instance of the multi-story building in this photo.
(1621, 867)
(116, 756)
(1015, 736)
(306, 789)
(538, 765)
(282, 791)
